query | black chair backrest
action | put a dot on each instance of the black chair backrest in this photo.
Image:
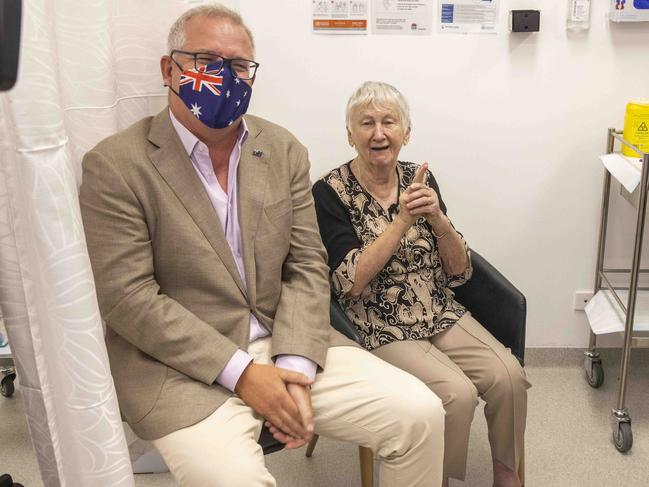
(340, 321)
(496, 304)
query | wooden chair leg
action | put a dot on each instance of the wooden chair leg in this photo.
(311, 446)
(367, 466)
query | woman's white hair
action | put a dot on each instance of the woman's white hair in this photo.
(177, 37)
(378, 94)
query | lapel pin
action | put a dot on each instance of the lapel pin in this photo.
(257, 153)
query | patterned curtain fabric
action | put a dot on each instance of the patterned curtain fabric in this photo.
(87, 69)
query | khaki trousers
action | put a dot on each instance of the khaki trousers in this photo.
(459, 365)
(357, 398)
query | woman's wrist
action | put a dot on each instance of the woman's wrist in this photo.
(401, 223)
(440, 225)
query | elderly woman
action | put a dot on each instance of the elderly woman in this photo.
(394, 256)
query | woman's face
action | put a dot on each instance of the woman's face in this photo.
(377, 133)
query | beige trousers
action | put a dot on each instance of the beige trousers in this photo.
(357, 398)
(459, 365)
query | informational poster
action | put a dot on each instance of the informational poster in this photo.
(339, 16)
(468, 16)
(629, 11)
(410, 17)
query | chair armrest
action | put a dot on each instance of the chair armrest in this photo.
(496, 304)
(340, 321)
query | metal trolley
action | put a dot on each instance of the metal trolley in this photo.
(622, 434)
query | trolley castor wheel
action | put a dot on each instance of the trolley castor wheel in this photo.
(7, 385)
(623, 437)
(594, 372)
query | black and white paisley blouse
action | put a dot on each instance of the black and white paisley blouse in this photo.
(410, 298)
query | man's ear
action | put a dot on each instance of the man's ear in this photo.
(166, 66)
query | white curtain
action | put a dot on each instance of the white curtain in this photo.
(87, 69)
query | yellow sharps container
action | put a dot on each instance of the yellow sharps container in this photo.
(636, 127)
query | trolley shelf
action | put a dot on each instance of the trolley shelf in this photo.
(5, 355)
(606, 316)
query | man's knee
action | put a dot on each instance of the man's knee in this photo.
(423, 409)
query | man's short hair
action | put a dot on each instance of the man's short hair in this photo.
(177, 37)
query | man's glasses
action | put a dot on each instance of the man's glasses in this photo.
(241, 68)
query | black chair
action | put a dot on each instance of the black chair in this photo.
(492, 300)
(268, 443)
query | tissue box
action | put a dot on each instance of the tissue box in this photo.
(629, 11)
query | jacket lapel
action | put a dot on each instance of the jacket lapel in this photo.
(175, 167)
(253, 168)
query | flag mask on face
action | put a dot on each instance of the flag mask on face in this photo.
(214, 94)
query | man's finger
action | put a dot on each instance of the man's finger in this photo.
(293, 377)
(283, 426)
(421, 173)
(292, 445)
(291, 422)
(288, 441)
(281, 436)
(286, 421)
(304, 407)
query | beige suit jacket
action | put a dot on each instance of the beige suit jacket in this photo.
(167, 284)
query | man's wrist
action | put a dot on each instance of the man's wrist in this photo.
(241, 378)
(297, 363)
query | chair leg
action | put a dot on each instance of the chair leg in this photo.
(311, 446)
(367, 466)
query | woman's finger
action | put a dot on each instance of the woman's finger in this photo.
(420, 175)
(423, 201)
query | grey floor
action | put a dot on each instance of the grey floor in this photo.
(568, 435)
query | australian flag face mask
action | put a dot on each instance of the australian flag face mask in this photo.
(214, 94)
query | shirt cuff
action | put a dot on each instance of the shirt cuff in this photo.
(297, 363)
(230, 374)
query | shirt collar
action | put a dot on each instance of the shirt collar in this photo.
(189, 140)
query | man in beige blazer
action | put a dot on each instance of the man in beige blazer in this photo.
(212, 280)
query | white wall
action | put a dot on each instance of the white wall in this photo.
(511, 124)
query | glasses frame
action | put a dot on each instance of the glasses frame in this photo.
(226, 61)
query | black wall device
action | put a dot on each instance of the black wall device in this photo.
(10, 13)
(525, 20)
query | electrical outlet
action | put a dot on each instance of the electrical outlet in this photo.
(581, 299)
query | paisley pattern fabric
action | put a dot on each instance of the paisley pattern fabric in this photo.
(410, 299)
